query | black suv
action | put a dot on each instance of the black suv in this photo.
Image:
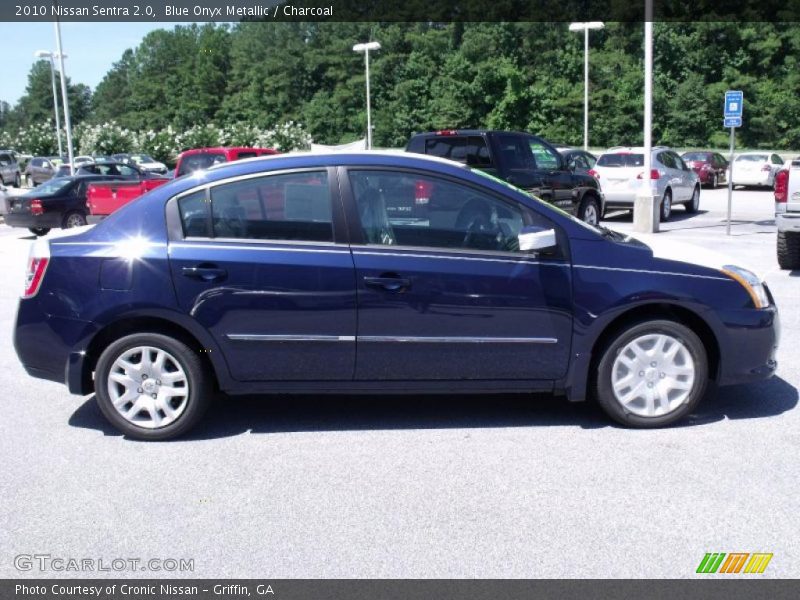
(522, 159)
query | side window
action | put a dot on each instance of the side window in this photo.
(478, 152)
(193, 210)
(665, 158)
(544, 156)
(295, 206)
(410, 209)
(242, 155)
(679, 162)
(776, 160)
(590, 160)
(5, 159)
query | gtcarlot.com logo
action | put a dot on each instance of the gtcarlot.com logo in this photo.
(734, 562)
(48, 562)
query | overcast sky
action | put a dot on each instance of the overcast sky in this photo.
(92, 49)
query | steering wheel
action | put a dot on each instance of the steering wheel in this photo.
(479, 228)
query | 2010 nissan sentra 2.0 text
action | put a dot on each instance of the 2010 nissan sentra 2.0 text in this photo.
(381, 273)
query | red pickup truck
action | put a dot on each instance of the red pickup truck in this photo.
(104, 198)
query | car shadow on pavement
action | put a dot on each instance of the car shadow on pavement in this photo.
(233, 415)
(626, 216)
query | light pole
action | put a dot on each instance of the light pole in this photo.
(585, 27)
(64, 98)
(646, 213)
(51, 57)
(365, 48)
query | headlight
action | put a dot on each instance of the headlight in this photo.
(750, 282)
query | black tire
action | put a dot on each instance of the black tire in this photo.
(17, 181)
(603, 383)
(589, 210)
(72, 219)
(714, 182)
(788, 250)
(39, 231)
(692, 205)
(666, 207)
(198, 379)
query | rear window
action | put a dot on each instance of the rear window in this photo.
(53, 186)
(198, 162)
(471, 150)
(246, 155)
(752, 158)
(621, 160)
(697, 156)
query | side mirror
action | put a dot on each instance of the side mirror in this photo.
(535, 238)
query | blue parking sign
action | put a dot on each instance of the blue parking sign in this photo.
(734, 101)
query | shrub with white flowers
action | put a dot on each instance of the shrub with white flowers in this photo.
(106, 138)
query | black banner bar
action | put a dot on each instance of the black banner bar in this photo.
(715, 588)
(396, 11)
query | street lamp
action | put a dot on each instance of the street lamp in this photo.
(585, 27)
(64, 98)
(365, 48)
(51, 57)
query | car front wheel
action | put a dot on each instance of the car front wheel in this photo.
(17, 181)
(151, 386)
(652, 374)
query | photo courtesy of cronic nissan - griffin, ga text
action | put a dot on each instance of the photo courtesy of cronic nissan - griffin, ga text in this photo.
(380, 273)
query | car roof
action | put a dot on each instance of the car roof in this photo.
(223, 149)
(445, 132)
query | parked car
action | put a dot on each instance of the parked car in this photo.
(756, 169)
(9, 169)
(198, 159)
(107, 167)
(59, 202)
(787, 215)
(82, 160)
(577, 160)
(524, 160)
(711, 167)
(148, 163)
(40, 169)
(621, 173)
(289, 274)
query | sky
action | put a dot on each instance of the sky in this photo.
(91, 48)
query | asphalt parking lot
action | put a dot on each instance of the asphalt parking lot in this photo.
(440, 487)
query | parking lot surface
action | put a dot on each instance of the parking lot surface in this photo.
(383, 486)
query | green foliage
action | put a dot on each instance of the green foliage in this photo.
(230, 84)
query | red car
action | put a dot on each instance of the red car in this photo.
(197, 159)
(104, 198)
(711, 167)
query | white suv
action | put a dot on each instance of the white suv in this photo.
(620, 171)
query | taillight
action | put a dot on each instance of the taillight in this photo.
(447, 132)
(34, 276)
(654, 174)
(36, 207)
(422, 192)
(766, 168)
(594, 173)
(782, 186)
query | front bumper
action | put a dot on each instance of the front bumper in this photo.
(748, 344)
(788, 221)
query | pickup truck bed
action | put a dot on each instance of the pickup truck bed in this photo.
(104, 198)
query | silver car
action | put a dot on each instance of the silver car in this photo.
(9, 169)
(620, 171)
(756, 168)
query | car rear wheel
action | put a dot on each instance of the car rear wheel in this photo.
(74, 219)
(652, 374)
(589, 211)
(666, 206)
(39, 230)
(788, 250)
(151, 386)
(694, 203)
(17, 181)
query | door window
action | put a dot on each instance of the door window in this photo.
(544, 156)
(293, 206)
(408, 209)
(665, 158)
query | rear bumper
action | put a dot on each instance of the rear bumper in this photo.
(788, 221)
(48, 220)
(752, 179)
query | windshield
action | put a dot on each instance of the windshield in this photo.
(621, 160)
(197, 162)
(52, 186)
(144, 158)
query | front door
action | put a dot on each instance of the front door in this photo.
(259, 263)
(448, 295)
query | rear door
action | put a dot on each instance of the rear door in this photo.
(452, 297)
(262, 262)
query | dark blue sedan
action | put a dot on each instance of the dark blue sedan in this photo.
(379, 272)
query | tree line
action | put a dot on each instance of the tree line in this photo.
(522, 76)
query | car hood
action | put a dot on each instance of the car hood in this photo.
(666, 249)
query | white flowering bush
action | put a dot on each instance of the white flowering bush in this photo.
(106, 138)
(162, 144)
